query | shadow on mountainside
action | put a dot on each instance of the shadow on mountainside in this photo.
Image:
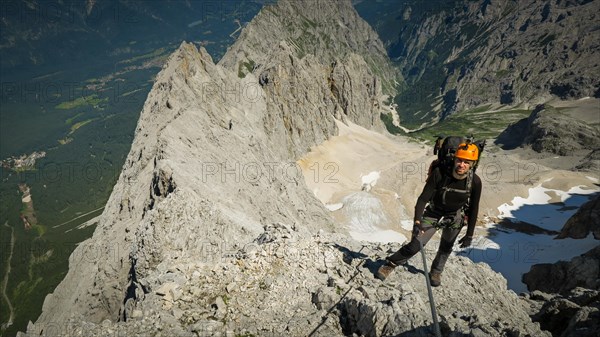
(515, 244)
(545, 218)
(524, 227)
(372, 264)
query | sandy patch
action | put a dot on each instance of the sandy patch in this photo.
(341, 163)
(362, 170)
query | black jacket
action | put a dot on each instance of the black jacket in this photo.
(452, 201)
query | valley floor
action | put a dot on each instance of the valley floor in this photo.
(370, 182)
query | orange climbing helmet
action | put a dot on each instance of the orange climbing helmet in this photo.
(467, 152)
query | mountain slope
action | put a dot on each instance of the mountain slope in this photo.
(330, 32)
(461, 54)
(45, 36)
(214, 156)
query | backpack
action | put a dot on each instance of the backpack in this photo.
(445, 148)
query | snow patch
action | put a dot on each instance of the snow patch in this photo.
(407, 224)
(537, 210)
(365, 215)
(369, 180)
(334, 207)
(364, 212)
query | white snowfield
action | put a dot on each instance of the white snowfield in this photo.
(364, 213)
(378, 206)
(370, 180)
(538, 209)
(513, 253)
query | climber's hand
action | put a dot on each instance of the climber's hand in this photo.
(465, 241)
(418, 228)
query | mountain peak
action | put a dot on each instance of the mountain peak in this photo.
(212, 163)
(329, 30)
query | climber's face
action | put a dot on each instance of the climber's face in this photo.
(462, 166)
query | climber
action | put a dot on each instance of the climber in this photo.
(449, 199)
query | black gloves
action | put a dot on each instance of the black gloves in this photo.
(418, 225)
(465, 241)
(417, 229)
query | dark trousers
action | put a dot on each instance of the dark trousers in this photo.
(410, 249)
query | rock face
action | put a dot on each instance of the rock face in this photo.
(565, 296)
(586, 220)
(548, 130)
(211, 230)
(456, 55)
(561, 277)
(287, 283)
(330, 32)
(573, 314)
(591, 162)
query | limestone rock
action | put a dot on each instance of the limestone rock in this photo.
(328, 30)
(585, 221)
(566, 299)
(498, 52)
(556, 314)
(574, 314)
(547, 130)
(293, 294)
(562, 276)
(591, 162)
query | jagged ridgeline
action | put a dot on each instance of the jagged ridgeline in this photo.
(210, 229)
(209, 166)
(458, 55)
(331, 32)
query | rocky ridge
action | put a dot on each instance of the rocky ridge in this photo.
(285, 283)
(329, 31)
(585, 221)
(565, 296)
(548, 130)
